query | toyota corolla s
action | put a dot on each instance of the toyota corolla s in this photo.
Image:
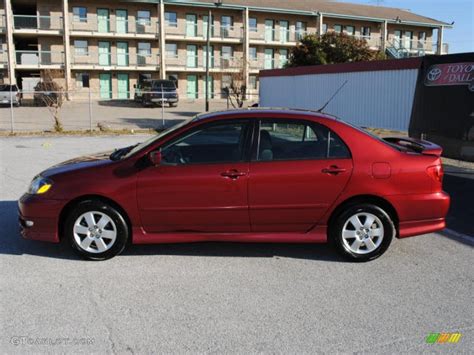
(257, 175)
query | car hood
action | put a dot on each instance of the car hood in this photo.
(79, 163)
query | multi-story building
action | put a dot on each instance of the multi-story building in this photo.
(111, 45)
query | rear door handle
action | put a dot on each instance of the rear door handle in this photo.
(333, 170)
(233, 174)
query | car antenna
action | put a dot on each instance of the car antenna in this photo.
(332, 97)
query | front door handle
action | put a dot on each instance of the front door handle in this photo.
(333, 170)
(233, 174)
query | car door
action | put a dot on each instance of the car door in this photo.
(298, 170)
(201, 184)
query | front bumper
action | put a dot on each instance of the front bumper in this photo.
(166, 99)
(39, 217)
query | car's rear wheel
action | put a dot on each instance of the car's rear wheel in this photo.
(96, 230)
(362, 232)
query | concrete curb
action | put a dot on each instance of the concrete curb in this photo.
(459, 236)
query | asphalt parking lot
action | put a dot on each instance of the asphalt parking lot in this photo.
(227, 298)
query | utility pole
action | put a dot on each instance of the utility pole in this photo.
(208, 44)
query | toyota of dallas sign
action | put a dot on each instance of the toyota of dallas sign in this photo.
(451, 74)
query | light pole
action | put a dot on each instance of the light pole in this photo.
(208, 46)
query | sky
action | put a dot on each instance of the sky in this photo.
(460, 38)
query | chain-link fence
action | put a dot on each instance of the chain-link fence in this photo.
(88, 110)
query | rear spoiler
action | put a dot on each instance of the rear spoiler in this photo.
(418, 145)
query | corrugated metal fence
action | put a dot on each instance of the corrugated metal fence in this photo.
(376, 95)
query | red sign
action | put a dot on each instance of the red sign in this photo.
(450, 74)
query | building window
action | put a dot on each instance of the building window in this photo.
(226, 82)
(174, 78)
(171, 50)
(350, 30)
(171, 19)
(253, 24)
(81, 48)
(300, 29)
(325, 28)
(338, 28)
(144, 17)
(227, 21)
(82, 80)
(365, 31)
(79, 14)
(144, 77)
(144, 49)
(422, 37)
(253, 53)
(283, 58)
(253, 82)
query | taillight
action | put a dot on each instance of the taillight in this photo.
(436, 172)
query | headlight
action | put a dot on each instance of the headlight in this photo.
(39, 185)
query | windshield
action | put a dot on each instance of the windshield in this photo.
(167, 84)
(153, 139)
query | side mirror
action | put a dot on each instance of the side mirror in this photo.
(155, 157)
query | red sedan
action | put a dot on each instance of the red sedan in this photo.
(259, 175)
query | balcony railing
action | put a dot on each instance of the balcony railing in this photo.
(3, 57)
(267, 63)
(33, 22)
(39, 58)
(3, 24)
(200, 31)
(118, 59)
(115, 26)
(280, 35)
(199, 62)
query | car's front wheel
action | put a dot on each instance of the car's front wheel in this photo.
(362, 232)
(96, 230)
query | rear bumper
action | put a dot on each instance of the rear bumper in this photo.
(421, 213)
(38, 218)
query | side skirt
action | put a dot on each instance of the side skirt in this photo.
(317, 235)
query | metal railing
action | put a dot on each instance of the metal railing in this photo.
(119, 60)
(39, 58)
(33, 22)
(373, 41)
(267, 63)
(199, 30)
(89, 109)
(116, 26)
(199, 62)
(3, 24)
(277, 35)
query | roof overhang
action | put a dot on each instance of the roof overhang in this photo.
(291, 11)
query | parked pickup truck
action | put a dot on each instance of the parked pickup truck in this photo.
(157, 92)
(10, 93)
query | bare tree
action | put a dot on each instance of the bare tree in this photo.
(51, 93)
(236, 89)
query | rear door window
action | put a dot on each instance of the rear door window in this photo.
(297, 140)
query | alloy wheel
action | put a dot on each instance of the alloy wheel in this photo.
(94, 232)
(362, 233)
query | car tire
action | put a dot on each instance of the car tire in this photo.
(362, 232)
(173, 105)
(96, 230)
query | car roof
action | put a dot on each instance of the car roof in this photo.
(262, 111)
